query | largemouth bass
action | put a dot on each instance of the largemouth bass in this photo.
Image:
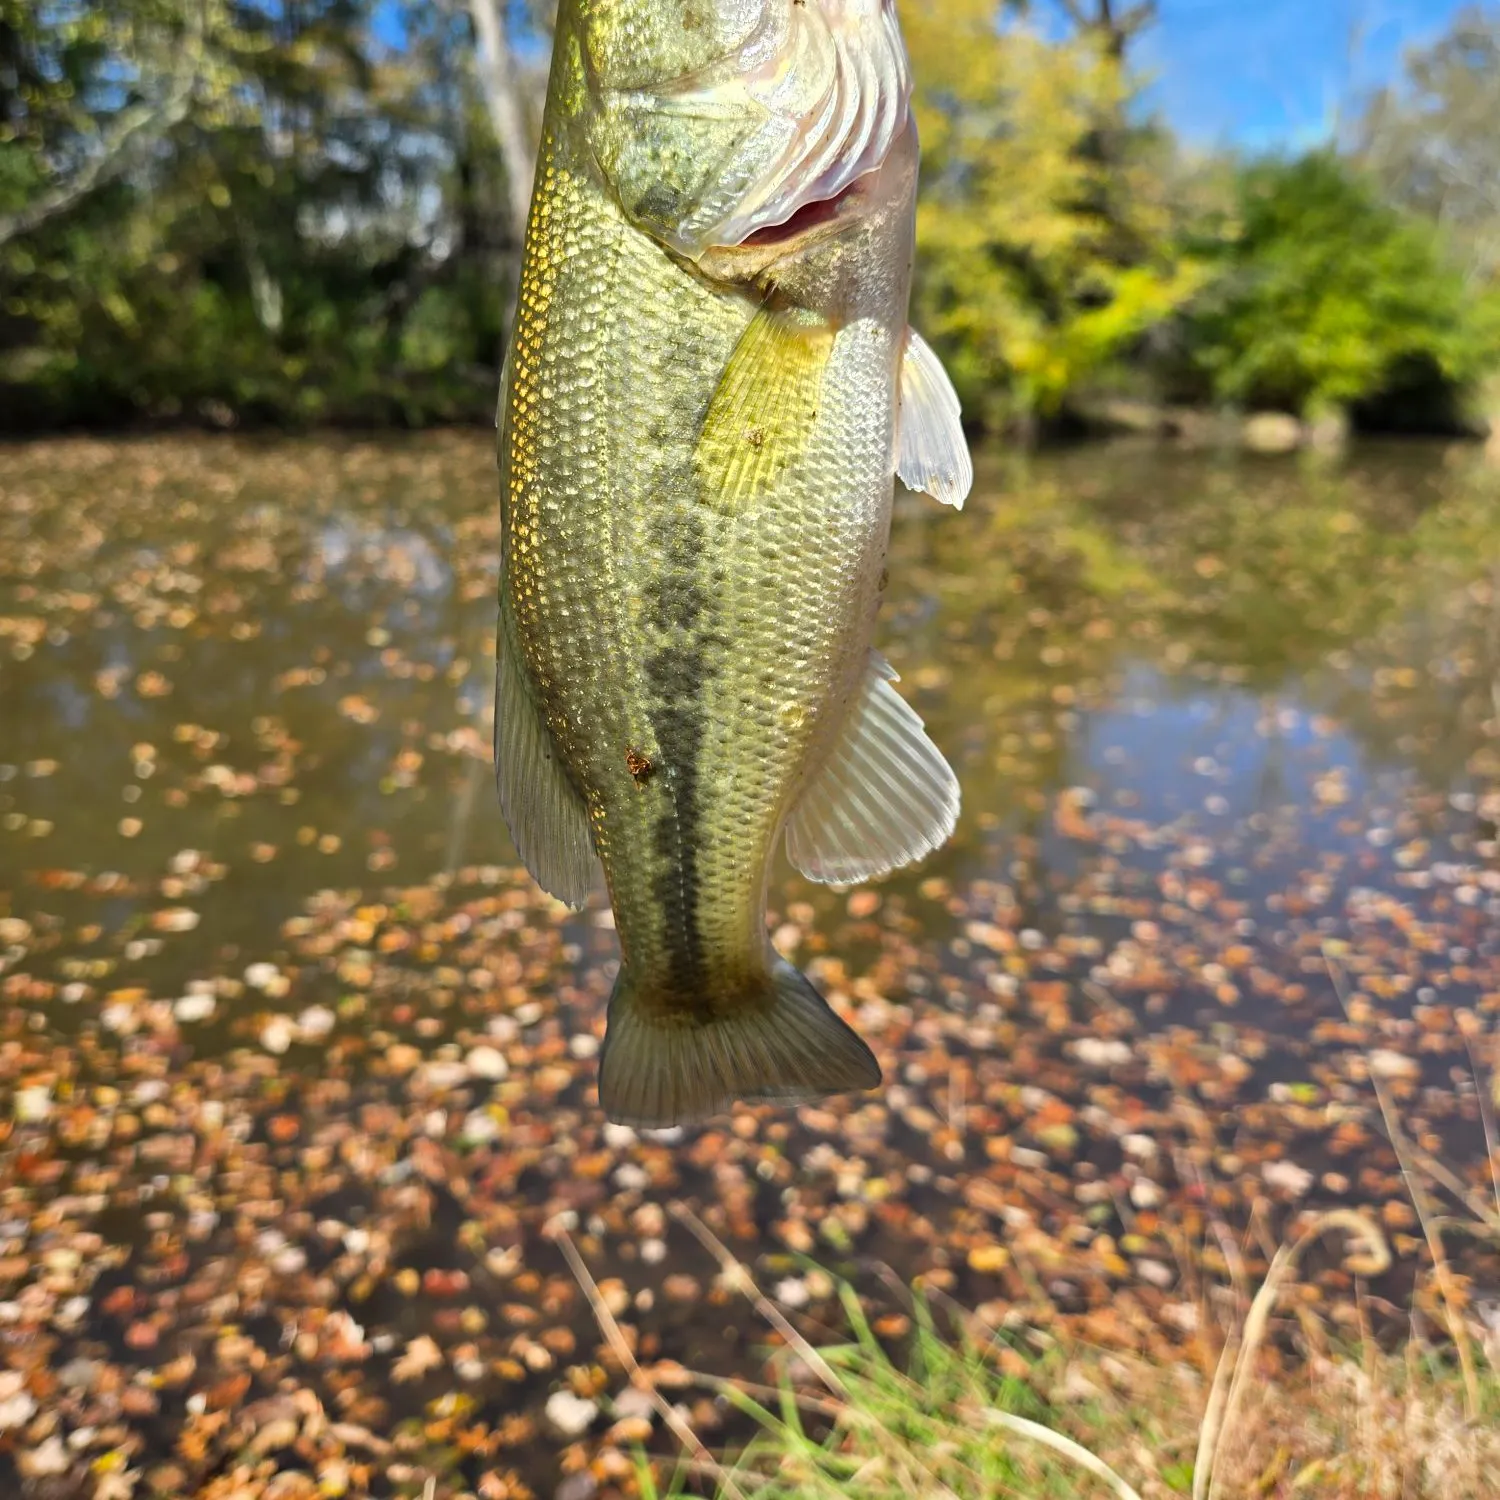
(710, 389)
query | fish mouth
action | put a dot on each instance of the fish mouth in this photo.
(817, 214)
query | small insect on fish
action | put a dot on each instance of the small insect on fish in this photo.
(709, 391)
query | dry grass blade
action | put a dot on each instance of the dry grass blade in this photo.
(1452, 1304)
(1056, 1441)
(616, 1341)
(805, 1400)
(1444, 1174)
(1439, 1171)
(897, 1450)
(1220, 1421)
(957, 1093)
(1368, 1412)
(738, 1277)
(1487, 1115)
(1213, 1415)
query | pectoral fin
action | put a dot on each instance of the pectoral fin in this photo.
(765, 407)
(931, 453)
(884, 797)
(547, 818)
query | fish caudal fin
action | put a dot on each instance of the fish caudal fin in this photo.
(932, 453)
(884, 797)
(664, 1067)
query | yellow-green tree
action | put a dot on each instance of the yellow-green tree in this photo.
(1047, 243)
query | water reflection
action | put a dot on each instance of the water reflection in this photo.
(278, 656)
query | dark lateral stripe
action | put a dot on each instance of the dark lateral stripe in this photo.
(676, 675)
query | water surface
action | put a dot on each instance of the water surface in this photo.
(1229, 737)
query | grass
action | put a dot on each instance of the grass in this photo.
(949, 1425)
(965, 1419)
(972, 1414)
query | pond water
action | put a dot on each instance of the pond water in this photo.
(301, 1066)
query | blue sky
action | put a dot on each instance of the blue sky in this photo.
(1261, 74)
(1268, 73)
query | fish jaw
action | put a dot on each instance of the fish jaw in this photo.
(841, 95)
(811, 101)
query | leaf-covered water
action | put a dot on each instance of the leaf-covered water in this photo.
(300, 1066)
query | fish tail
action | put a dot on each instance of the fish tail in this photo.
(663, 1065)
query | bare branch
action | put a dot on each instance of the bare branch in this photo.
(133, 129)
(1117, 28)
(500, 81)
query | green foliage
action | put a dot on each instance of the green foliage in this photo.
(1324, 296)
(972, 1417)
(221, 210)
(314, 230)
(1046, 228)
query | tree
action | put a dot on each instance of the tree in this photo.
(312, 210)
(504, 98)
(51, 75)
(1432, 141)
(1043, 257)
(1324, 296)
(217, 207)
(1117, 25)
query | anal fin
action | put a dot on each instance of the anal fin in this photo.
(884, 797)
(932, 453)
(546, 815)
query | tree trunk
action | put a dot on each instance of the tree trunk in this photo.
(501, 84)
(1116, 28)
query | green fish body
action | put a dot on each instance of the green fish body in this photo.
(698, 437)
